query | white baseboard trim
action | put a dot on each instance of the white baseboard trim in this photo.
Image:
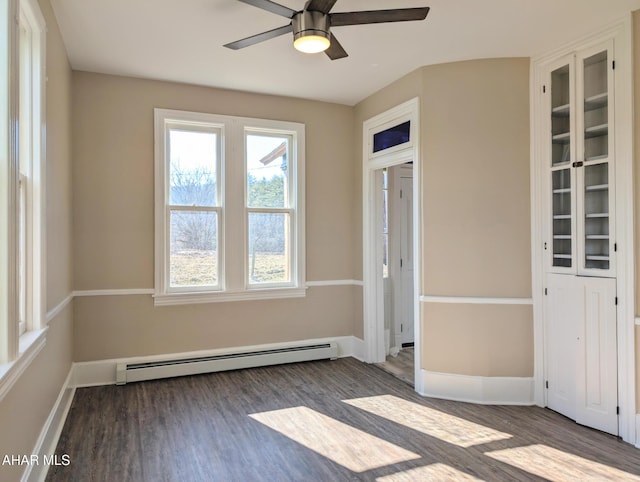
(357, 349)
(637, 434)
(482, 390)
(103, 372)
(50, 433)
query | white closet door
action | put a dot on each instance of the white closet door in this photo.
(406, 254)
(597, 386)
(561, 343)
(582, 350)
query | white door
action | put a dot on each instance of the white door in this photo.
(561, 343)
(406, 257)
(581, 350)
(597, 386)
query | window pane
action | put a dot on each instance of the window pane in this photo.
(194, 248)
(267, 171)
(269, 248)
(394, 136)
(192, 171)
(22, 253)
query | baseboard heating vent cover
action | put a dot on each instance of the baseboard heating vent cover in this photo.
(135, 372)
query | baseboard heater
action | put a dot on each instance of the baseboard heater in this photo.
(135, 372)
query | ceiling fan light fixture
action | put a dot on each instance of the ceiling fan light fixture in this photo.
(311, 44)
(311, 32)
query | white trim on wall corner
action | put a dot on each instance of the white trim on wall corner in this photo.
(51, 315)
(50, 433)
(477, 389)
(638, 321)
(475, 300)
(637, 430)
(103, 372)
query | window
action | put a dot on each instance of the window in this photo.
(22, 316)
(193, 207)
(391, 137)
(229, 208)
(269, 211)
(30, 243)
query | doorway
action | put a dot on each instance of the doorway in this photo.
(398, 270)
(390, 139)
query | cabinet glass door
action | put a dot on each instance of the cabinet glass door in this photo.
(596, 107)
(596, 216)
(562, 218)
(595, 175)
(561, 115)
(562, 175)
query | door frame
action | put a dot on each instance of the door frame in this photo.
(373, 289)
(620, 32)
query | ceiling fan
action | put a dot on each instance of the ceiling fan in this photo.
(311, 26)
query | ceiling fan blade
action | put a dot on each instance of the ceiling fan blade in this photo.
(335, 50)
(323, 6)
(261, 37)
(272, 7)
(378, 16)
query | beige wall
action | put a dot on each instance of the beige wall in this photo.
(125, 326)
(481, 340)
(475, 211)
(113, 222)
(475, 179)
(476, 216)
(24, 410)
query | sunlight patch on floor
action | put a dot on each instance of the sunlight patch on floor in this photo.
(557, 465)
(345, 445)
(439, 472)
(432, 422)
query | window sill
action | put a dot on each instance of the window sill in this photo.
(30, 345)
(172, 299)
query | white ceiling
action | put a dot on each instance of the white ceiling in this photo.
(181, 40)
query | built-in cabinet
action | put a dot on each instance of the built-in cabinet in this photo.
(578, 156)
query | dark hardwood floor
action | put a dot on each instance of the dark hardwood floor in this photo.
(320, 421)
(401, 365)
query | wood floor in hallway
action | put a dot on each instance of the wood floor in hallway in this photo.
(320, 421)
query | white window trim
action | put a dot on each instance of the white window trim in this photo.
(36, 274)
(200, 126)
(17, 351)
(233, 283)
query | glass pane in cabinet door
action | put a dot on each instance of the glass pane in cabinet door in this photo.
(596, 209)
(561, 204)
(596, 107)
(560, 116)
